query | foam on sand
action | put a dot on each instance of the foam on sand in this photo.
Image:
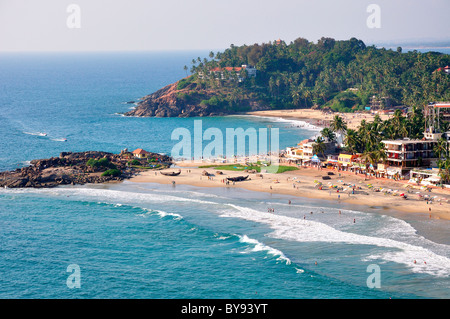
(293, 122)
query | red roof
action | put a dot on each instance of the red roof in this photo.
(140, 151)
(305, 141)
(443, 105)
(442, 68)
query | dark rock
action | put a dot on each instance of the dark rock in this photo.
(71, 168)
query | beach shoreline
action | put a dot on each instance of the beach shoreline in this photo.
(318, 118)
(303, 183)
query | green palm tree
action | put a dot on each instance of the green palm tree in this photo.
(338, 124)
(444, 170)
(328, 134)
(441, 148)
(319, 146)
(380, 154)
(351, 141)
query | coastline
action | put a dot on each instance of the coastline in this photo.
(318, 118)
(302, 183)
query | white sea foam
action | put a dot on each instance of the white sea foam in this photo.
(290, 228)
(293, 122)
(403, 244)
(160, 213)
(35, 133)
(223, 237)
(163, 214)
(114, 196)
(258, 246)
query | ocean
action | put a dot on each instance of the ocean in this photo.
(144, 240)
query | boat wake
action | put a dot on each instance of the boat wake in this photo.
(36, 133)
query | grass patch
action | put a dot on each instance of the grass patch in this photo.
(239, 167)
(282, 169)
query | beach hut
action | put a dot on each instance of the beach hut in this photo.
(140, 153)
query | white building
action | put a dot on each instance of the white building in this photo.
(251, 71)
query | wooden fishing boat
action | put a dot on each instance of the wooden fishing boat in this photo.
(171, 173)
(237, 179)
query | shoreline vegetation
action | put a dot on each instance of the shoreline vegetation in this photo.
(343, 76)
(318, 83)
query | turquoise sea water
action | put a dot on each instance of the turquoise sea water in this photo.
(135, 240)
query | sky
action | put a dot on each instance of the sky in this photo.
(157, 25)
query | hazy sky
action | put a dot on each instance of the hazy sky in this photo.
(41, 25)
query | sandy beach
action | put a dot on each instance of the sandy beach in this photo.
(303, 183)
(318, 117)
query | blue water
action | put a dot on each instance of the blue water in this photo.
(134, 240)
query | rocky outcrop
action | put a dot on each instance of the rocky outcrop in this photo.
(73, 168)
(166, 103)
(169, 102)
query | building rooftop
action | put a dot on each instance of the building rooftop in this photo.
(406, 141)
(140, 151)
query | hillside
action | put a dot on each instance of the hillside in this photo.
(343, 76)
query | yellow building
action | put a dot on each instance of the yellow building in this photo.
(346, 159)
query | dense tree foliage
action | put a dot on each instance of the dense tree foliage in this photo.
(340, 75)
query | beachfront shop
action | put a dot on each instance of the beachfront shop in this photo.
(427, 177)
(395, 173)
(346, 161)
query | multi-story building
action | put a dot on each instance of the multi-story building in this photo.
(409, 153)
(305, 150)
